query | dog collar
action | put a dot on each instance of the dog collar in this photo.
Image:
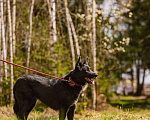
(72, 83)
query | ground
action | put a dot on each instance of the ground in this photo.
(119, 108)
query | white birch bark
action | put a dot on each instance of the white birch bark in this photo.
(50, 21)
(14, 26)
(92, 37)
(88, 19)
(0, 51)
(53, 19)
(3, 38)
(94, 51)
(52, 13)
(75, 35)
(30, 35)
(11, 52)
(52, 28)
(70, 34)
(1, 63)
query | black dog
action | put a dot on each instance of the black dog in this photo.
(59, 95)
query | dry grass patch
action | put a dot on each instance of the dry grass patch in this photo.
(6, 113)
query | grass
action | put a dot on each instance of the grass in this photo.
(120, 108)
(130, 103)
(90, 115)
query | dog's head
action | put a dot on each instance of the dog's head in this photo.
(82, 73)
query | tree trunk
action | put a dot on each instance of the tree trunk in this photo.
(75, 35)
(50, 21)
(132, 80)
(14, 26)
(61, 33)
(1, 55)
(88, 19)
(53, 19)
(30, 35)
(1, 63)
(53, 31)
(3, 38)
(94, 52)
(89, 28)
(11, 52)
(70, 34)
(52, 24)
(143, 80)
(138, 79)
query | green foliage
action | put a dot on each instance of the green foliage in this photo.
(136, 53)
(81, 106)
(5, 96)
(115, 55)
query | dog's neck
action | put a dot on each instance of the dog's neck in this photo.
(76, 90)
(71, 82)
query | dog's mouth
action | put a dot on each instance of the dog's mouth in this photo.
(90, 80)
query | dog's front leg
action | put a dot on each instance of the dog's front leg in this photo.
(62, 113)
(71, 111)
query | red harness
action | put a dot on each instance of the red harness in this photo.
(71, 82)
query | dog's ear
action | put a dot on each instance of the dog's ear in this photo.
(78, 64)
(86, 60)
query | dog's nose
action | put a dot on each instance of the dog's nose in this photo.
(95, 75)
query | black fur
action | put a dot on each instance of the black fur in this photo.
(57, 94)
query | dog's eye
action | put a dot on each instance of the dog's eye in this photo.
(88, 69)
(84, 69)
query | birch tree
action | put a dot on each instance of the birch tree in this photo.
(1, 63)
(70, 34)
(52, 27)
(11, 51)
(1, 56)
(75, 35)
(14, 26)
(91, 31)
(50, 22)
(30, 34)
(3, 38)
(88, 18)
(94, 51)
(52, 13)
(53, 19)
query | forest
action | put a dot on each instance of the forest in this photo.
(50, 35)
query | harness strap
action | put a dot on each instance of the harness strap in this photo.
(72, 83)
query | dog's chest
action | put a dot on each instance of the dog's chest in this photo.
(74, 95)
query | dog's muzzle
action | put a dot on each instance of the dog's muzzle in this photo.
(91, 80)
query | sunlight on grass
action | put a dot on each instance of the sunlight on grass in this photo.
(91, 115)
(110, 115)
(124, 108)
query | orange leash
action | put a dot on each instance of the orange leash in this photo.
(34, 70)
